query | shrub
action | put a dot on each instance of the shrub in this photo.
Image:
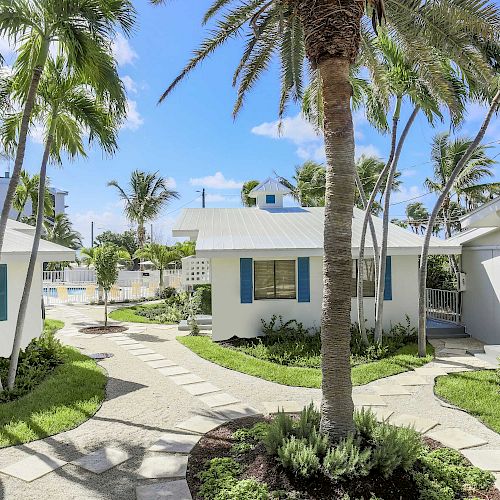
(430, 489)
(257, 432)
(299, 456)
(219, 475)
(246, 489)
(279, 429)
(205, 292)
(347, 460)
(166, 293)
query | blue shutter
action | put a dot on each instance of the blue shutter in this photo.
(246, 281)
(304, 287)
(388, 279)
(3, 292)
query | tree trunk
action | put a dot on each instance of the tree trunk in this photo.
(337, 404)
(23, 133)
(141, 235)
(105, 308)
(379, 314)
(161, 280)
(14, 358)
(422, 333)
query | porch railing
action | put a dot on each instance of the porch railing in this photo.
(443, 304)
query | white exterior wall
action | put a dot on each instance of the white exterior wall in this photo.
(16, 274)
(231, 318)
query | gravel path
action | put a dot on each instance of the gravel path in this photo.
(142, 404)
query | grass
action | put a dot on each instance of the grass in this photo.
(475, 392)
(128, 314)
(402, 360)
(71, 394)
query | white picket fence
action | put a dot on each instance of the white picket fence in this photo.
(443, 304)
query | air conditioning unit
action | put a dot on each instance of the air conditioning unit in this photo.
(462, 282)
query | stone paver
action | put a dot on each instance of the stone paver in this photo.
(175, 443)
(151, 357)
(456, 438)
(271, 407)
(450, 350)
(174, 490)
(218, 399)
(139, 352)
(368, 400)
(237, 411)
(189, 378)
(431, 371)
(33, 467)
(411, 380)
(172, 370)
(102, 460)
(420, 424)
(381, 414)
(134, 347)
(200, 388)
(161, 363)
(485, 459)
(201, 424)
(391, 390)
(160, 465)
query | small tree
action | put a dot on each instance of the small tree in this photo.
(160, 255)
(106, 260)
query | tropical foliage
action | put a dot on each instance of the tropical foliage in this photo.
(61, 232)
(160, 255)
(27, 191)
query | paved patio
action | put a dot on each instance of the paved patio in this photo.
(161, 397)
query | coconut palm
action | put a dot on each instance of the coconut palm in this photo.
(328, 34)
(67, 107)
(82, 30)
(160, 255)
(417, 216)
(61, 232)
(308, 184)
(148, 195)
(247, 187)
(27, 190)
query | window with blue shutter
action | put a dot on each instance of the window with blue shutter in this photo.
(3, 292)
(303, 273)
(246, 281)
(270, 199)
(388, 279)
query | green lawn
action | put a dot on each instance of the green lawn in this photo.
(71, 394)
(475, 392)
(402, 360)
(128, 314)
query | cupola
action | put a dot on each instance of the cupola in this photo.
(269, 194)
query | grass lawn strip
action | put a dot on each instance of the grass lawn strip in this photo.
(71, 394)
(128, 315)
(475, 392)
(404, 359)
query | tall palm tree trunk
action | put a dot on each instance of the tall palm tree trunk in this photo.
(337, 404)
(23, 134)
(422, 333)
(105, 308)
(379, 315)
(23, 306)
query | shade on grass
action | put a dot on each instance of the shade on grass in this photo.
(402, 360)
(71, 394)
(475, 392)
(128, 314)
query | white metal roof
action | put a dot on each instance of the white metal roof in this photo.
(19, 240)
(487, 215)
(470, 235)
(270, 185)
(292, 231)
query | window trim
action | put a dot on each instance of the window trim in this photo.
(274, 276)
(270, 199)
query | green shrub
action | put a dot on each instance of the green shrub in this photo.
(347, 460)
(279, 429)
(430, 489)
(299, 456)
(257, 432)
(205, 292)
(166, 293)
(246, 489)
(365, 423)
(219, 475)
(308, 421)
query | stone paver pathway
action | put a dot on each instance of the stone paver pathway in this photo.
(161, 398)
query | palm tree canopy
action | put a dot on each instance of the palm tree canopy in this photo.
(308, 184)
(26, 190)
(159, 255)
(61, 232)
(247, 187)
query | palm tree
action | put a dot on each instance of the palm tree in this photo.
(328, 34)
(148, 195)
(417, 216)
(26, 190)
(308, 184)
(67, 108)
(83, 32)
(61, 232)
(247, 187)
(453, 176)
(160, 255)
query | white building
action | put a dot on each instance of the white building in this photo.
(481, 265)
(58, 198)
(269, 260)
(13, 267)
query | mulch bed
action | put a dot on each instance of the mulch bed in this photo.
(257, 464)
(103, 329)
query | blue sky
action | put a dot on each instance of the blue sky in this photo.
(192, 139)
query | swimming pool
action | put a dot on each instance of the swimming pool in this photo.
(52, 291)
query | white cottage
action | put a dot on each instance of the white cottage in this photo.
(13, 266)
(268, 260)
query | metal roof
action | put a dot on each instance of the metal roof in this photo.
(487, 215)
(471, 235)
(270, 185)
(18, 241)
(292, 231)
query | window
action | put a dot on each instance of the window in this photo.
(368, 278)
(274, 279)
(270, 199)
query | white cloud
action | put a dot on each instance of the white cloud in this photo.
(410, 172)
(129, 83)
(108, 219)
(172, 183)
(368, 150)
(219, 198)
(295, 128)
(7, 49)
(37, 133)
(312, 152)
(216, 181)
(407, 194)
(134, 119)
(123, 51)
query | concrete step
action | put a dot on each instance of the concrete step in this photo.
(494, 350)
(491, 359)
(440, 329)
(185, 327)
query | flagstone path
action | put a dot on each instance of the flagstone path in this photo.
(161, 398)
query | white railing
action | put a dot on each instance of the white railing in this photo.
(69, 276)
(443, 304)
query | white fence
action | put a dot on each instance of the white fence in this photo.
(443, 304)
(69, 276)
